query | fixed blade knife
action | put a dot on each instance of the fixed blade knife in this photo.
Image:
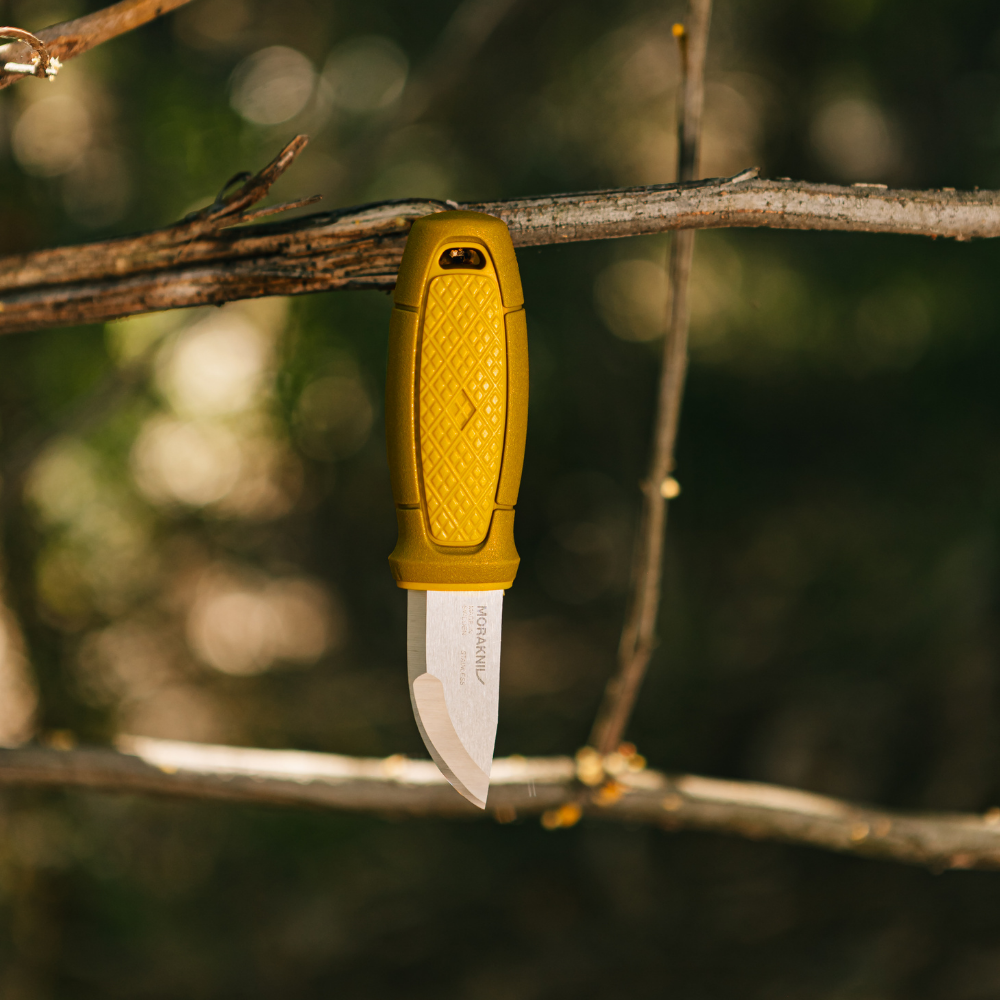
(456, 419)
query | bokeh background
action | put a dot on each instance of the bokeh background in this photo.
(205, 559)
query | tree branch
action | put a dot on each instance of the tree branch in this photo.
(519, 787)
(351, 248)
(639, 632)
(71, 38)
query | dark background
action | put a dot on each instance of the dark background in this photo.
(831, 602)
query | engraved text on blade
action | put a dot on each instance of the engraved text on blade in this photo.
(481, 643)
(474, 619)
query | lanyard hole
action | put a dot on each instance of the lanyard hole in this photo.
(462, 257)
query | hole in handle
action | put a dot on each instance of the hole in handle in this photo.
(462, 257)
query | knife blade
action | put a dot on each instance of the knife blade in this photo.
(456, 420)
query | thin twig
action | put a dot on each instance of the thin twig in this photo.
(639, 632)
(519, 787)
(360, 248)
(70, 38)
(228, 208)
(285, 206)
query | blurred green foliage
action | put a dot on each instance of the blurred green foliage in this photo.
(830, 610)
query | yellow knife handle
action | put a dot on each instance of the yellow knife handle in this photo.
(456, 404)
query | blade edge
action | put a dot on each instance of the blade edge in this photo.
(430, 703)
(443, 742)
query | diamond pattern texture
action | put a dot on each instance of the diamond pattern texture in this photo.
(463, 399)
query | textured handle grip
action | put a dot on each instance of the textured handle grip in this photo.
(456, 404)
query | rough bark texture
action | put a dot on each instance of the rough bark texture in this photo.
(201, 262)
(744, 201)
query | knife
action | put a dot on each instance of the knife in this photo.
(456, 409)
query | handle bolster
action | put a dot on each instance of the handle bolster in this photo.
(418, 564)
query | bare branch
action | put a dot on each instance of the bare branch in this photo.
(519, 787)
(352, 248)
(639, 632)
(71, 38)
(741, 202)
(693, 41)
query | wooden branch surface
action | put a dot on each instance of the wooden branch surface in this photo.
(71, 38)
(361, 247)
(638, 638)
(520, 787)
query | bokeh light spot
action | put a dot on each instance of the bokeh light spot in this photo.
(272, 85)
(631, 298)
(366, 74)
(854, 139)
(244, 627)
(52, 135)
(185, 462)
(216, 367)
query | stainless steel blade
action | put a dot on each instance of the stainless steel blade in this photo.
(453, 659)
